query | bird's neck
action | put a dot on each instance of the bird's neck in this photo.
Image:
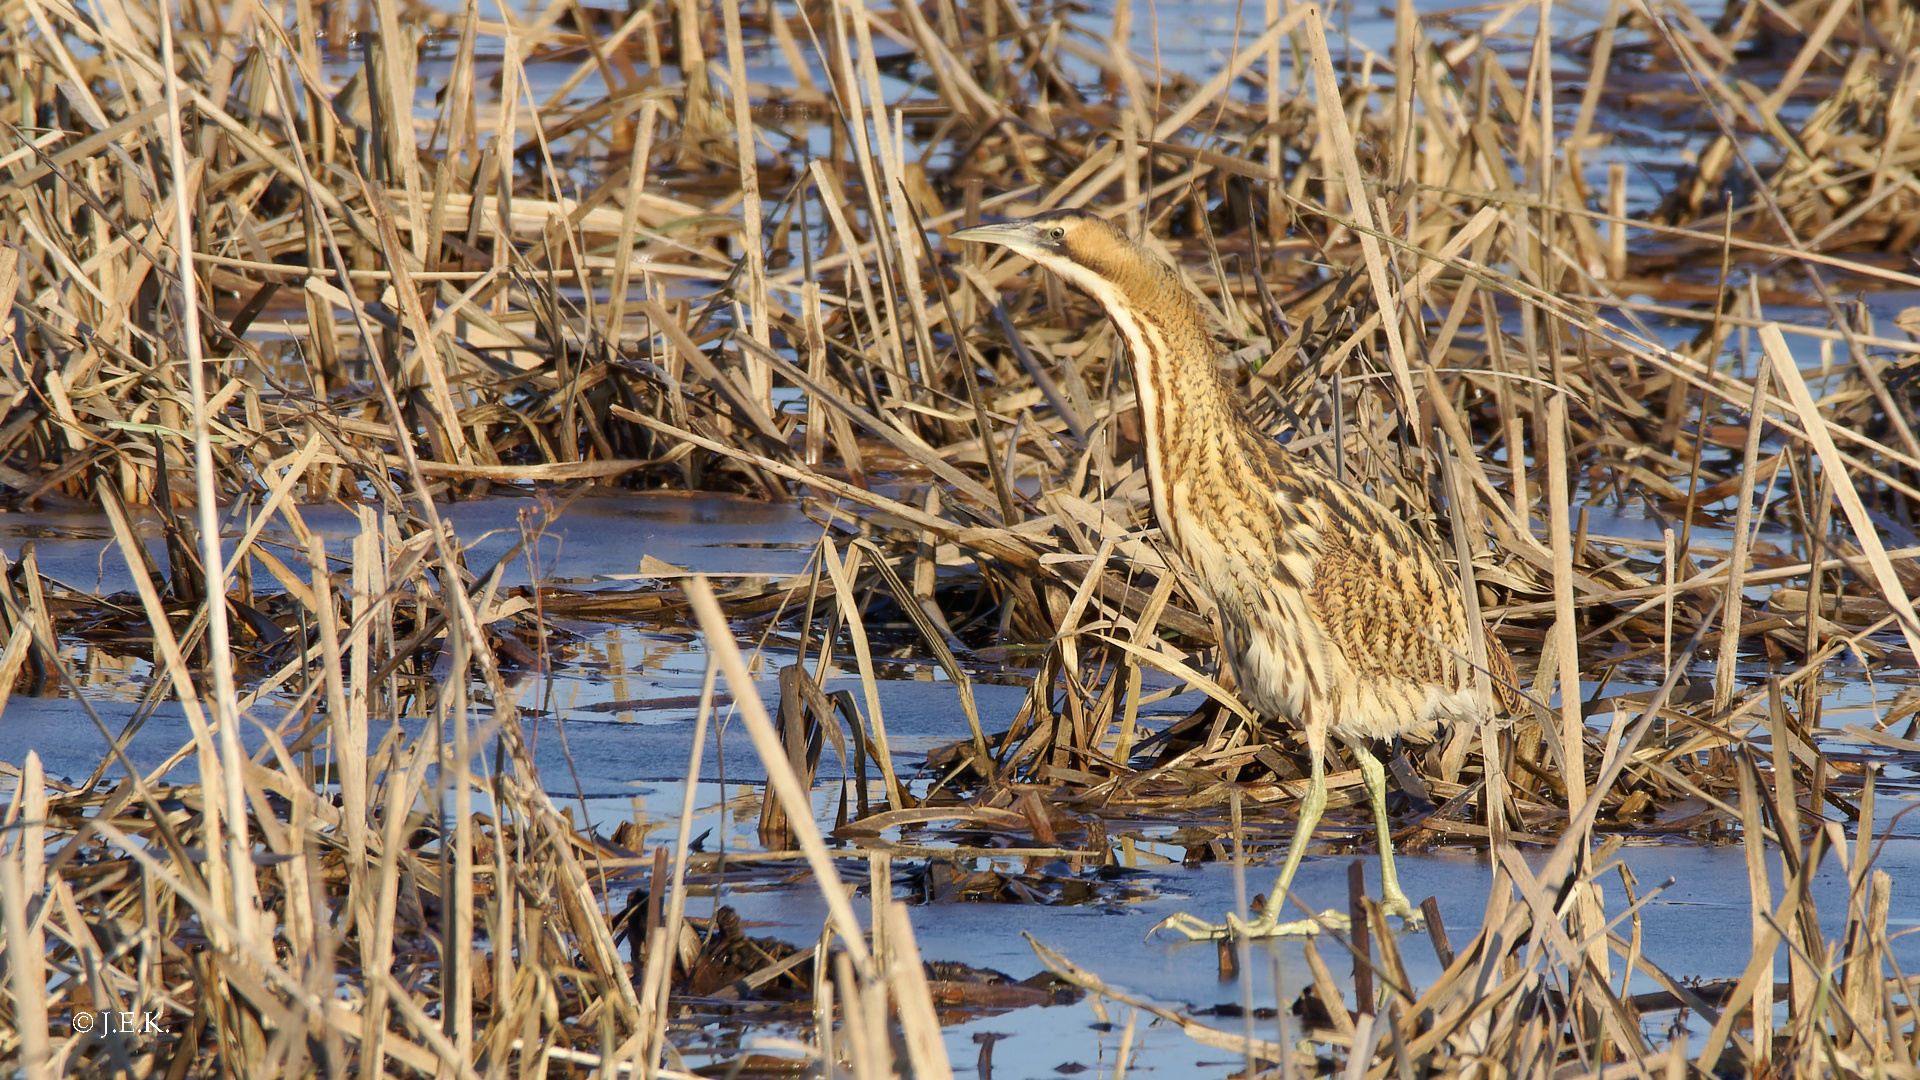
(1204, 456)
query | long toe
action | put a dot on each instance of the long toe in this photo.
(1326, 920)
(1191, 927)
(1196, 929)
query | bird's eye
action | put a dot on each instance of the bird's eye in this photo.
(1056, 233)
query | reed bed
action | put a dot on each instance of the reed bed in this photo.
(391, 255)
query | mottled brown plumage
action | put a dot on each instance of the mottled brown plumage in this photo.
(1337, 615)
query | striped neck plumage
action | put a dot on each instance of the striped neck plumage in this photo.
(1196, 437)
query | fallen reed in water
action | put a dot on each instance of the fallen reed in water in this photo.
(661, 285)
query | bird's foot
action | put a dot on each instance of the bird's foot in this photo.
(1195, 929)
(1410, 917)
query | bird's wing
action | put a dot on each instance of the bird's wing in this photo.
(1384, 599)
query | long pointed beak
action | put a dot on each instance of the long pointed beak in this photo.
(1005, 232)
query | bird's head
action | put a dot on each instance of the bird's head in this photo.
(1083, 248)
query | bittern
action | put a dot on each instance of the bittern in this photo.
(1335, 614)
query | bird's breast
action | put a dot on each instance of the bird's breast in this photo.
(1271, 641)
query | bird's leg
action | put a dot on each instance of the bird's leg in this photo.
(1392, 900)
(1311, 807)
(1268, 924)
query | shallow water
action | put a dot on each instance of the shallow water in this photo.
(603, 747)
(595, 540)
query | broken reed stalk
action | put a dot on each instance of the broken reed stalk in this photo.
(656, 994)
(766, 740)
(224, 773)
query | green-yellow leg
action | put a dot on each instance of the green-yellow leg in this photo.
(1269, 924)
(1392, 900)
